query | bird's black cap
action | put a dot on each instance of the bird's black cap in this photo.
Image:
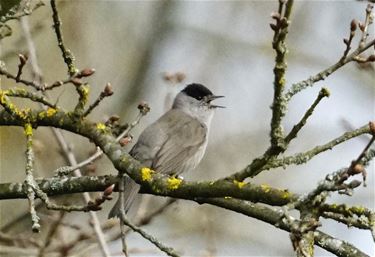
(197, 91)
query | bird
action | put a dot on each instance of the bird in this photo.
(176, 142)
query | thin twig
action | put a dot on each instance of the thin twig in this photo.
(293, 133)
(146, 219)
(29, 181)
(105, 93)
(37, 73)
(23, 60)
(335, 181)
(364, 27)
(265, 162)
(53, 228)
(301, 158)
(279, 45)
(168, 250)
(358, 222)
(121, 189)
(363, 46)
(348, 42)
(25, 82)
(67, 55)
(299, 86)
(22, 93)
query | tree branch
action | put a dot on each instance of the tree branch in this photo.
(275, 218)
(67, 55)
(279, 45)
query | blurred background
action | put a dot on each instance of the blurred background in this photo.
(226, 45)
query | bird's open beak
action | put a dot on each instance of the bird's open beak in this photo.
(213, 97)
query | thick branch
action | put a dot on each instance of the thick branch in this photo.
(187, 190)
(275, 218)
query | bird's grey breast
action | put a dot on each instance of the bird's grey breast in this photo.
(175, 143)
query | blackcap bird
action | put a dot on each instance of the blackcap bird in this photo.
(176, 142)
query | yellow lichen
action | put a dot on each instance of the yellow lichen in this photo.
(50, 112)
(358, 209)
(265, 188)
(101, 126)
(85, 91)
(146, 174)
(3, 98)
(285, 195)
(28, 129)
(240, 184)
(23, 113)
(10, 106)
(282, 81)
(42, 114)
(174, 183)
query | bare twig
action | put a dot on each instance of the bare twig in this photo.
(121, 189)
(301, 158)
(350, 221)
(105, 93)
(298, 87)
(51, 233)
(30, 182)
(36, 70)
(141, 221)
(265, 162)
(333, 182)
(363, 46)
(25, 82)
(67, 55)
(278, 104)
(168, 250)
(22, 93)
(348, 42)
(293, 133)
(23, 60)
(364, 27)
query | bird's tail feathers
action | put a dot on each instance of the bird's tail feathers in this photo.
(130, 192)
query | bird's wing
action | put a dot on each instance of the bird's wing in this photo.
(182, 148)
(148, 144)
